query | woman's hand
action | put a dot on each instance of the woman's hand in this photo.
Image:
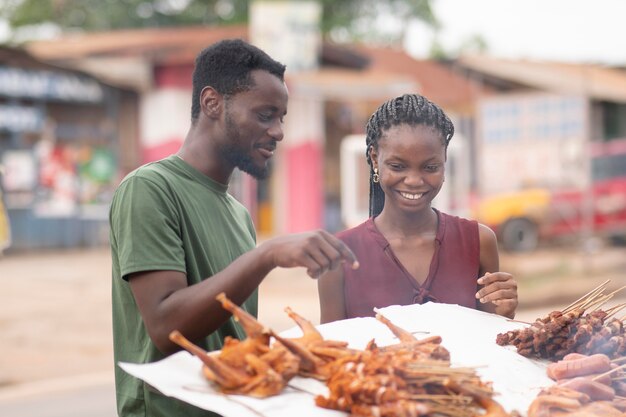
(499, 289)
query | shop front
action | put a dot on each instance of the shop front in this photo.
(60, 136)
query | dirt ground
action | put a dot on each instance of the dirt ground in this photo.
(55, 318)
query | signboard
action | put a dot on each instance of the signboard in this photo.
(48, 85)
(20, 118)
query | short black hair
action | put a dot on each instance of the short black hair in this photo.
(409, 109)
(226, 66)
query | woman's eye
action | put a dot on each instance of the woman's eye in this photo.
(432, 168)
(265, 117)
(395, 166)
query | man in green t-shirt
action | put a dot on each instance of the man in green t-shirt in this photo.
(178, 238)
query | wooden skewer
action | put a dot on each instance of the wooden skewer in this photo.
(598, 298)
(616, 309)
(599, 288)
(620, 359)
(599, 302)
(519, 321)
(610, 295)
(595, 378)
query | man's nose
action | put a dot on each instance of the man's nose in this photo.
(276, 130)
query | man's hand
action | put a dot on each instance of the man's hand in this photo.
(500, 289)
(319, 252)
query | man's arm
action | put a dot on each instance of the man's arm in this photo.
(166, 302)
(331, 294)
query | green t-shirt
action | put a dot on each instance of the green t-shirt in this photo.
(167, 215)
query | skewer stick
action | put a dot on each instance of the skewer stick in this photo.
(610, 295)
(596, 304)
(595, 378)
(597, 301)
(599, 288)
(620, 359)
(616, 309)
(616, 291)
(519, 321)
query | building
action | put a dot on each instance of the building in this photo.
(59, 135)
(328, 102)
(549, 113)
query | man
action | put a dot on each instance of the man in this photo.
(178, 238)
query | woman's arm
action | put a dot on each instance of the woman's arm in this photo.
(332, 301)
(498, 292)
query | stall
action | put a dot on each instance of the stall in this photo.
(60, 137)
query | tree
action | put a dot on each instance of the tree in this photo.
(343, 20)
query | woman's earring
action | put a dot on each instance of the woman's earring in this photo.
(375, 176)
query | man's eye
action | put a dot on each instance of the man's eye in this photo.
(432, 168)
(265, 117)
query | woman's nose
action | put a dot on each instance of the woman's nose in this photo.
(414, 179)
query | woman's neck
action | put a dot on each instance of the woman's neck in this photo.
(400, 224)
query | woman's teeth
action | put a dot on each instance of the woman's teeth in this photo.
(411, 196)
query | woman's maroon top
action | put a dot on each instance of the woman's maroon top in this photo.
(382, 280)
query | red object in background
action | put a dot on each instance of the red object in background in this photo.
(305, 195)
(162, 150)
(608, 198)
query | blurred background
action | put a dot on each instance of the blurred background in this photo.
(91, 89)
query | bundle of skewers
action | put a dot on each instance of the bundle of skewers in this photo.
(411, 378)
(582, 327)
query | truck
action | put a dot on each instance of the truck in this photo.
(525, 218)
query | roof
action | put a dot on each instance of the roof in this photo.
(349, 84)
(160, 45)
(19, 58)
(137, 50)
(436, 81)
(595, 81)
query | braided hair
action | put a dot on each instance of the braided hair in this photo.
(409, 109)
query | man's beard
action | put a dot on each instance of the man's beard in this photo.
(244, 162)
(237, 157)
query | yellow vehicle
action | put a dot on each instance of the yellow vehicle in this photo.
(515, 217)
(5, 231)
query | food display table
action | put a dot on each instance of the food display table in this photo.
(468, 334)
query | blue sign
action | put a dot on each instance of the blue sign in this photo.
(20, 118)
(48, 85)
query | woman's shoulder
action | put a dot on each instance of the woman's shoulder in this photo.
(456, 218)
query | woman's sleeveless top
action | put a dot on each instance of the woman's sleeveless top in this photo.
(382, 280)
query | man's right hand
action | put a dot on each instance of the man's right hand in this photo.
(318, 252)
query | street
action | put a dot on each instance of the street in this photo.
(56, 325)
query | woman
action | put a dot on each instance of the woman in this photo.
(409, 252)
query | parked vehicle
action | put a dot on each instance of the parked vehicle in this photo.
(525, 218)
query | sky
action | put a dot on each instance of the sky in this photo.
(565, 30)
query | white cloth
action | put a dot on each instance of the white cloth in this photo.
(468, 334)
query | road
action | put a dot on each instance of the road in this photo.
(56, 325)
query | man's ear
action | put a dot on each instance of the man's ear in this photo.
(211, 102)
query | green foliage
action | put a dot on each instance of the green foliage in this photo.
(348, 19)
(356, 18)
(98, 15)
